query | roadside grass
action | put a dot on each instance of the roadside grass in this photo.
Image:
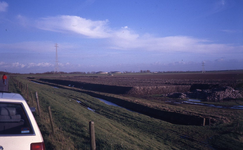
(118, 128)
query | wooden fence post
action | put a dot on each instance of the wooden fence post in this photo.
(49, 109)
(92, 136)
(32, 103)
(38, 104)
(27, 92)
(204, 121)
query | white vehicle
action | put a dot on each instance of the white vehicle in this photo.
(18, 128)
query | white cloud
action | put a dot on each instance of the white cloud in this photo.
(169, 44)
(3, 6)
(125, 34)
(127, 39)
(29, 65)
(75, 24)
(17, 65)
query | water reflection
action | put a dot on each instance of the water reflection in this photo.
(84, 105)
(91, 109)
(112, 104)
(198, 102)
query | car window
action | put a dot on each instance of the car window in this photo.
(13, 119)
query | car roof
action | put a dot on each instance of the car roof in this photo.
(11, 96)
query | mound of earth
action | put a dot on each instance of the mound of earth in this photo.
(149, 90)
(215, 94)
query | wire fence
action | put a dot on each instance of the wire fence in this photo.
(32, 99)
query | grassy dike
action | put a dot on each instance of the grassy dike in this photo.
(116, 128)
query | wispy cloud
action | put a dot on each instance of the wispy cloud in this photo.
(23, 20)
(45, 64)
(127, 39)
(172, 44)
(231, 31)
(32, 65)
(11, 65)
(220, 5)
(22, 65)
(3, 6)
(75, 24)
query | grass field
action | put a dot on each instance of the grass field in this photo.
(119, 128)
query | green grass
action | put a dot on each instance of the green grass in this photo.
(118, 128)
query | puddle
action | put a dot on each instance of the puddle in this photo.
(35, 82)
(194, 100)
(41, 83)
(91, 109)
(198, 102)
(237, 107)
(108, 103)
(85, 105)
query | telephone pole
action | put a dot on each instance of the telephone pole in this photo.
(56, 66)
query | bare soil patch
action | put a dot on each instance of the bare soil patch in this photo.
(146, 86)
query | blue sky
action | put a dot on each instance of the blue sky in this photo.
(121, 35)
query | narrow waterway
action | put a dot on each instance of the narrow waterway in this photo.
(199, 102)
(189, 101)
(112, 104)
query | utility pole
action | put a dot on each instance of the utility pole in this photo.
(56, 66)
(203, 64)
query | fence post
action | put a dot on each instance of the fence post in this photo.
(27, 92)
(92, 136)
(38, 104)
(49, 109)
(204, 121)
(32, 103)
